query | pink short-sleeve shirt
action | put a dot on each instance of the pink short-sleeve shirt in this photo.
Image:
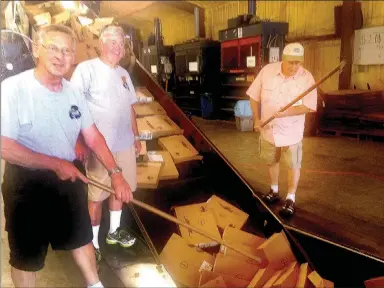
(273, 90)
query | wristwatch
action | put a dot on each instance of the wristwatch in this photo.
(137, 138)
(115, 170)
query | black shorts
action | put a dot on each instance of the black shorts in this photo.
(40, 210)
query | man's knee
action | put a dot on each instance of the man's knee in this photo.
(294, 156)
(95, 210)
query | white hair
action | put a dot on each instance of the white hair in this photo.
(111, 29)
(44, 30)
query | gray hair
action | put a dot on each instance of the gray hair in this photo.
(44, 30)
(110, 28)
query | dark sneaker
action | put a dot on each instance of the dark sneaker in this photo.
(122, 237)
(271, 197)
(288, 208)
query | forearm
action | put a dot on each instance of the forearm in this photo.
(134, 123)
(15, 153)
(296, 110)
(255, 107)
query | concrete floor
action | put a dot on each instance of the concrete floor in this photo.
(341, 185)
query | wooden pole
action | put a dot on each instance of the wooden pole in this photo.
(175, 220)
(302, 95)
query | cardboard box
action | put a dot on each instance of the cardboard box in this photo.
(147, 175)
(274, 278)
(179, 148)
(148, 109)
(184, 262)
(156, 126)
(230, 281)
(215, 283)
(197, 216)
(277, 251)
(316, 280)
(168, 170)
(303, 281)
(262, 277)
(244, 241)
(226, 214)
(289, 277)
(244, 124)
(237, 267)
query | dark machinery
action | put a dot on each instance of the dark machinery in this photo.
(197, 75)
(246, 46)
(159, 59)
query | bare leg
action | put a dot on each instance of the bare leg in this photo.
(293, 180)
(23, 278)
(95, 209)
(274, 174)
(86, 260)
(114, 204)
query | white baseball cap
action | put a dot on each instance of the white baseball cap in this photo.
(293, 52)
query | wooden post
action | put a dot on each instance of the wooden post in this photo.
(347, 30)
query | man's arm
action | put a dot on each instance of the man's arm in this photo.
(134, 122)
(255, 107)
(294, 111)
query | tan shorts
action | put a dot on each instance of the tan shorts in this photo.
(126, 160)
(271, 154)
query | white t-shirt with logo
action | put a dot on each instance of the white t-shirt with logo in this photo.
(110, 94)
(44, 121)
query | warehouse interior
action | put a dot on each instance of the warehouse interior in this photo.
(192, 62)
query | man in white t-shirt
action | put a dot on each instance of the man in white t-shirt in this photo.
(110, 94)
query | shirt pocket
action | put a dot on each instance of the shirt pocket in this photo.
(268, 91)
(294, 89)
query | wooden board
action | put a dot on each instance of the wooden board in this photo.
(179, 148)
(152, 127)
(147, 175)
(168, 170)
(148, 109)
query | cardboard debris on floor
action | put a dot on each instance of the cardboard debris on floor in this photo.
(262, 277)
(230, 281)
(184, 262)
(148, 175)
(168, 170)
(180, 148)
(197, 216)
(148, 109)
(226, 214)
(318, 282)
(156, 126)
(304, 271)
(289, 277)
(143, 95)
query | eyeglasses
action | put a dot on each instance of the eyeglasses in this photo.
(54, 49)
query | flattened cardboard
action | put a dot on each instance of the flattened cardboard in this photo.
(230, 281)
(168, 170)
(148, 109)
(273, 279)
(244, 241)
(157, 126)
(330, 284)
(183, 261)
(236, 267)
(316, 280)
(303, 281)
(226, 214)
(148, 175)
(277, 251)
(289, 277)
(262, 276)
(198, 216)
(215, 283)
(179, 148)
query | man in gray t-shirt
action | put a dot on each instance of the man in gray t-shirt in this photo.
(45, 202)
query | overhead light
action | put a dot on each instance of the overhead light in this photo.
(85, 21)
(70, 5)
(83, 8)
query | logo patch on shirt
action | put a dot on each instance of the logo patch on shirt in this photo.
(74, 112)
(125, 84)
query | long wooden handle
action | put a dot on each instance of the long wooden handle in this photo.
(302, 95)
(175, 220)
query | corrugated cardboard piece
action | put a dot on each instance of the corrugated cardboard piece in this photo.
(215, 283)
(289, 277)
(183, 262)
(179, 148)
(244, 241)
(262, 277)
(230, 281)
(198, 216)
(148, 174)
(304, 271)
(156, 126)
(148, 109)
(168, 170)
(226, 214)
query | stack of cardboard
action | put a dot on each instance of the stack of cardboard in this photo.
(188, 264)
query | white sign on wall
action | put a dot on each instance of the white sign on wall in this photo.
(369, 46)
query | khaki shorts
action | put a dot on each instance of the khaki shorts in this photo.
(126, 160)
(271, 154)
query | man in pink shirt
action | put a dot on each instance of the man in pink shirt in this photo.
(276, 85)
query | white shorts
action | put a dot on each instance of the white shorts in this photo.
(126, 160)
